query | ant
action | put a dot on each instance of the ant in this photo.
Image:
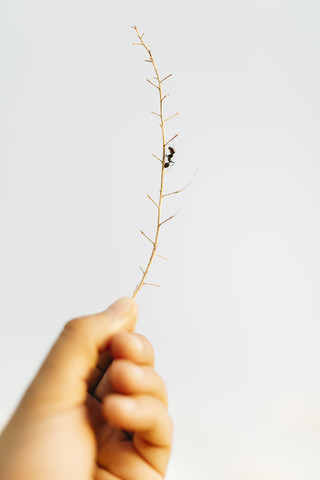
(169, 157)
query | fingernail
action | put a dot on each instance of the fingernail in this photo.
(121, 306)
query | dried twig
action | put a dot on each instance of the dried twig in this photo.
(181, 189)
(158, 85)
(161, 256)
(152, 200)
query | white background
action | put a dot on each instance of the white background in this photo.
(235, 324)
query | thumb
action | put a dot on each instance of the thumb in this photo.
(62, 380)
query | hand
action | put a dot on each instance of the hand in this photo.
(86, 422)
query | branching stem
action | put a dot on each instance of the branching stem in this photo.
(164, 143)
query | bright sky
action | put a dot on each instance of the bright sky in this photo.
(235, 324)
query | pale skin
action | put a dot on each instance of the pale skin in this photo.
(96, 410)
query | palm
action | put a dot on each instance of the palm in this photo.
(86, 446)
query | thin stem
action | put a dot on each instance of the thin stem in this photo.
(165, 78)
(166, 220)
(161, 256)
(181, 189)
(155, 156)
(171, 139)
(171, 116)
(152, 82)
(147, 237)
(152, 200)
(162, 122)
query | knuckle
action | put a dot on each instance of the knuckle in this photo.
(145, 342)
(76, 326)
(148, 349)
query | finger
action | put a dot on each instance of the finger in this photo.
(149, 421)
(134, 347)
(127, 345)
(102, 474)
(62, 379)
(128, 378)
(118, 461)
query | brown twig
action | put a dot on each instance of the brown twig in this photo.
(171, 116)
(158, 85)
(152, 200)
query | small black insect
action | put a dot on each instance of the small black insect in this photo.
(169, 157)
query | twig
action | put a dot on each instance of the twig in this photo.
(152, 83)
(165, 78)
(155, 156)
(171, 116)
(154, 242)
(152, 200)
(171, 140)
(161, 256)
(167, 219)
(147, 237)
(183, 188)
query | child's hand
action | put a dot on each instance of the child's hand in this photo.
(78, 421)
